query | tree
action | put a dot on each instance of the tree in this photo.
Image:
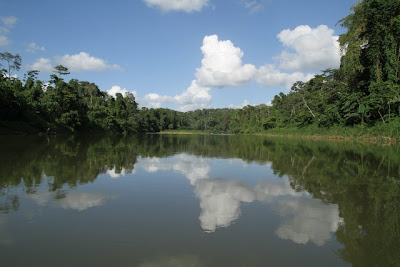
(60, 70)
(13, 62)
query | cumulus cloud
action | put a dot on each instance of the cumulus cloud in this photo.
(34, 47)
(77, 62)
(84, 62)
(114, 90)
(178, 5)
(244, 104)
(42, 64)
(269, 76)
(194, 97)
(6, 24)
(222, 64)
(311, 49)
(312, 221)
(153, 100)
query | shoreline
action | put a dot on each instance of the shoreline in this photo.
(330, 137)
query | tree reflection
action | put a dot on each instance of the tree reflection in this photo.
(361, 180)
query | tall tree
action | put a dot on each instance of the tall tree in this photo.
(12, 62)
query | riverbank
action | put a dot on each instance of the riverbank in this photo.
(387, 133)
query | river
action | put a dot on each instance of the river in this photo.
(198, 200)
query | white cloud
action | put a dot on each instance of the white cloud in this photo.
(117, 89)
(312, 221)
(84, 62)
(6, 23)
(77, 62)
(269, 76)
(34, 47)
(153, 100)
(42, 64)
(253, 6)
(313, 49)
(244, 104)
(194, 97)
(222, 64)
(178, 5)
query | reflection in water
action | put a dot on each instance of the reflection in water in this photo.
(311, 220)
(314, 190)
(268, 191)
(220, 202)
(179, 261)
(219, 199)
(5, 236)
(115, 174)
(73, 200)
(192, 167)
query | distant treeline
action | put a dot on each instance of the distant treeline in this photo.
(364, 91)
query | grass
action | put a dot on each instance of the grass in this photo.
(380, 132)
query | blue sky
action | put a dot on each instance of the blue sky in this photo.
(181, 54)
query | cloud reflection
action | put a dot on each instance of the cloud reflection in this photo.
(220, 202)
(115, 174)
(193, 168)
(73, 200)
(312, 221)
(308, 220)
(268, 191)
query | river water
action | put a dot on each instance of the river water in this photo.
(198, 200)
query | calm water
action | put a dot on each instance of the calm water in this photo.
(198, 201)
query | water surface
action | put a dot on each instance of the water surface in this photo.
(198, 201)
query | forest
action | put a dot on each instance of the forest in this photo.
(363, 94)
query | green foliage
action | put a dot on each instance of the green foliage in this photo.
(61, 106)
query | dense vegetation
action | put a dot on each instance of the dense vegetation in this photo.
(364, 93)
